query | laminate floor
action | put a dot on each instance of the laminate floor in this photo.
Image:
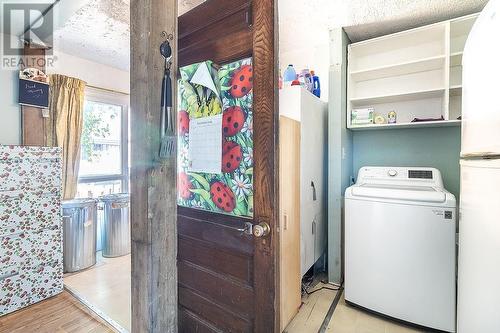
(106, 286)
(312, 311)
(60, 314)
(348, 319)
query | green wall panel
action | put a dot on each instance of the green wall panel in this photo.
(423, 147)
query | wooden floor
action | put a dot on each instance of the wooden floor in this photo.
(60, 314)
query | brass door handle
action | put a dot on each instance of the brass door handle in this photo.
(261, 230)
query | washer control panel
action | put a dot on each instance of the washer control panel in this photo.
(420, 174)
(403, 175)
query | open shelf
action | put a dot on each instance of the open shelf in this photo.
(459, 31)
(426, 124)
(398, 97)
(415, 66)
(456, 58)
(455, 90)
(455, 109)
(415, 73)
(402, 47)
(455, 76)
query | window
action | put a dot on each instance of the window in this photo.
(104, 144)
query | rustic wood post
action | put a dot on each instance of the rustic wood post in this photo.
(153, 183)
(34, 126)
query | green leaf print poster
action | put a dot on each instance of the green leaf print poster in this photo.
(227, 90)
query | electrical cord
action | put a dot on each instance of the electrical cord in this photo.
(306, 285)
(324, 287)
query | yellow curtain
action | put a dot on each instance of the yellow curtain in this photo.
(66, 112)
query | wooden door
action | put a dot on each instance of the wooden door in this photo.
(227, 279)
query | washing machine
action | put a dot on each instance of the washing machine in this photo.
(400, 247)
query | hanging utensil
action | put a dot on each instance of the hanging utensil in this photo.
(167, 134)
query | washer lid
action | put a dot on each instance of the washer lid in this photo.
(399, 192)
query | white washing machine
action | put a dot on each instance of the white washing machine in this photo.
(400, 249)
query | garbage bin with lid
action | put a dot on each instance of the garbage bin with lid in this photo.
(79, 233)
(116, 225)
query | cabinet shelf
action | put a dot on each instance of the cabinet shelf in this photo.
(426, 124)
(415, 66)
(404, 96)
(415, 73)
(456, 59)
(456, 90)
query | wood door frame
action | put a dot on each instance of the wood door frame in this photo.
(266, 159)
(225, 37)
(153, 184)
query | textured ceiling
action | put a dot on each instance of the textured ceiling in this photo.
(99, 30)
(383, 17)
(362, 19)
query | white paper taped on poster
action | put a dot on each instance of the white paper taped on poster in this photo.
(205, 144)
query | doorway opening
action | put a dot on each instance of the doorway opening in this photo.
(104, 176)
(92, 44)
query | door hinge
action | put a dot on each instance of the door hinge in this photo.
(249, 15)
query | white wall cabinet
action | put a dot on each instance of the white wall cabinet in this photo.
(416, 73)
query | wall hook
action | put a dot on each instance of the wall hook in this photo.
(166, 35)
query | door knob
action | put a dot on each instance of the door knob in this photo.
(261, 230)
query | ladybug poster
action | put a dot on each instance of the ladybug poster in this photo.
(225, 91)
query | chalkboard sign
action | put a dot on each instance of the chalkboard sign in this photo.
(33, 93)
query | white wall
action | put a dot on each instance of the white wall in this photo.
(314, 57)
(10, 112)
(303, 40)
(95, 74)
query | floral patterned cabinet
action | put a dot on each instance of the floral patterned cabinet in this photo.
(31, 260)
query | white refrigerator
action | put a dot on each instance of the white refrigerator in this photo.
(479, 238)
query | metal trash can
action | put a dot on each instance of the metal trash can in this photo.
(116, 225)
(79, 232)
